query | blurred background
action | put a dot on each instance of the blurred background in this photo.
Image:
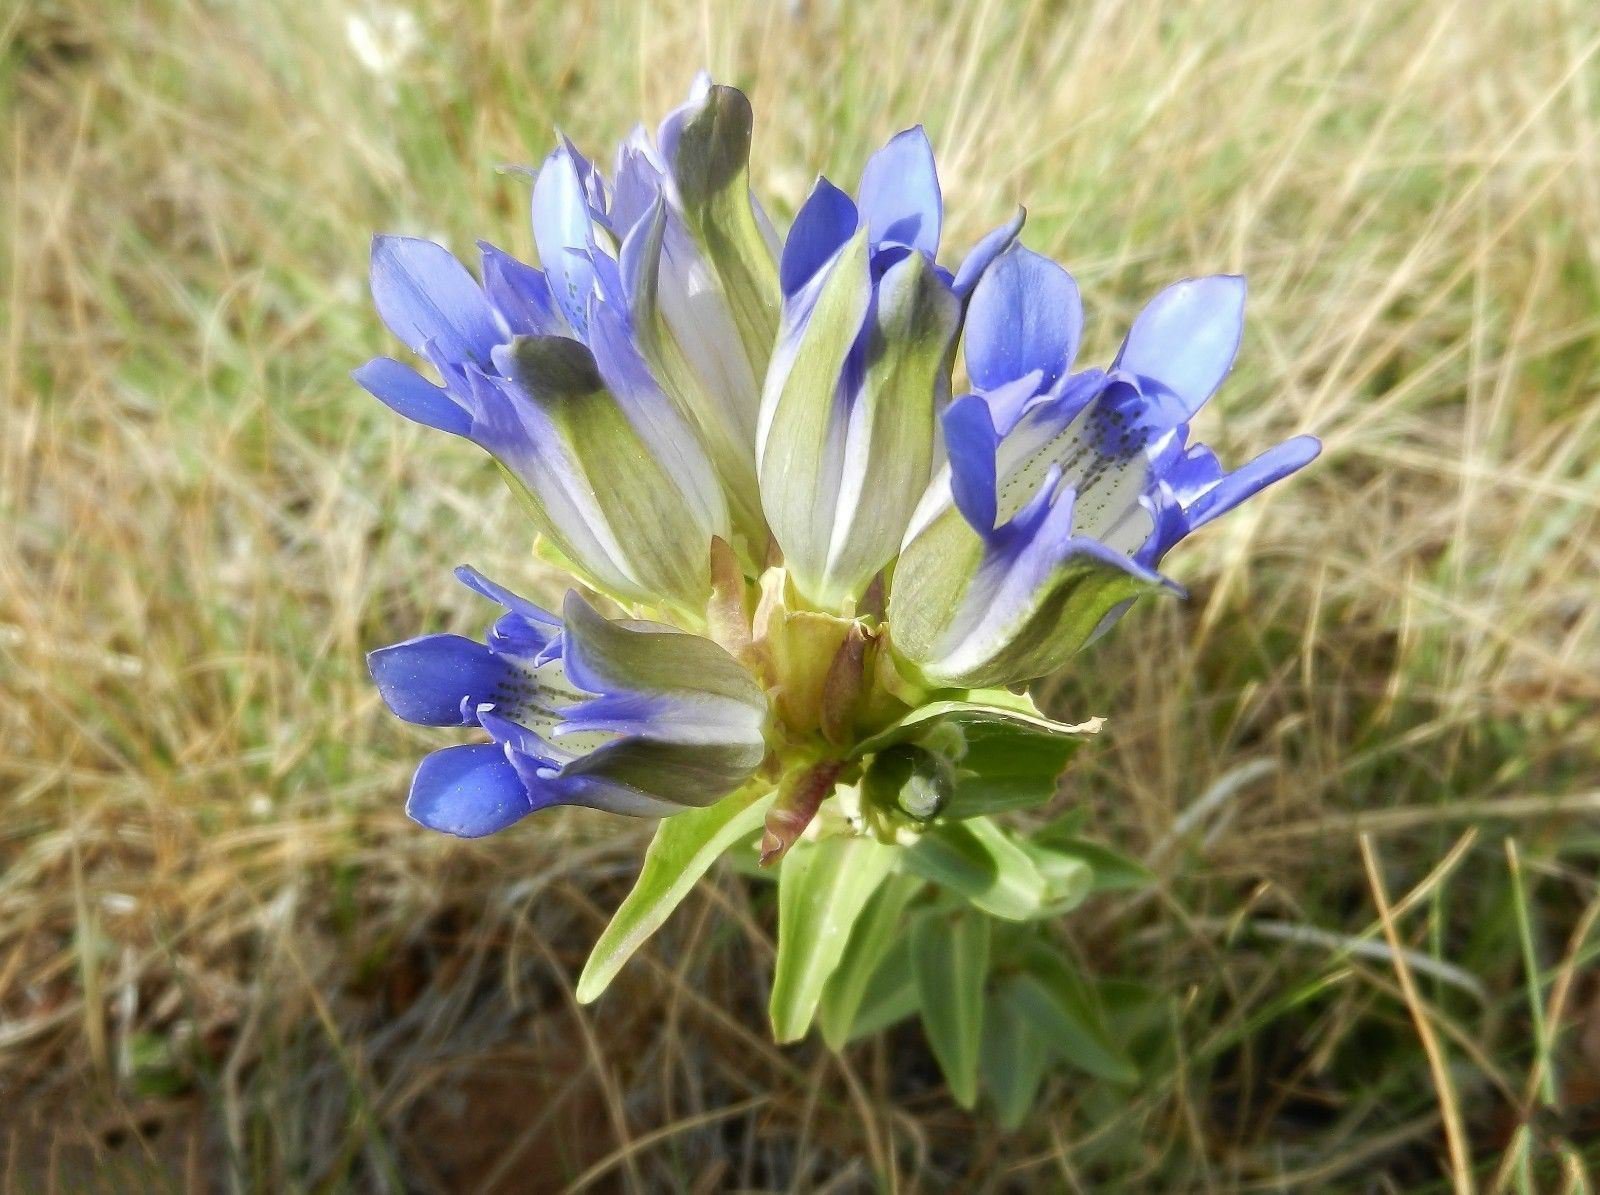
(1363, 759)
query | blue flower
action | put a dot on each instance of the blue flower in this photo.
(1064, 491)
(680, 245)
(760, 443)
(848, 437)
(630, 717)
(616, 483)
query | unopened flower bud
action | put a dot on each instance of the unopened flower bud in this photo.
(911, 779)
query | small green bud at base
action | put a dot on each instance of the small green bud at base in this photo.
(912, 780)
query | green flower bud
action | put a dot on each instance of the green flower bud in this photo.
(913, 780)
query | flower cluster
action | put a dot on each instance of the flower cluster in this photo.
(810, 543)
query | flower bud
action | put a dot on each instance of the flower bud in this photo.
(911, 779)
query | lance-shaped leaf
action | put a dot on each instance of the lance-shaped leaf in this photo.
(683, 849)
(891, 994)
(1062, 1008)
(803, 430)
(950, 955)
(1016, 1056)
(822, 889)
(662, 538)
(1067, 878)
(1113, 871)
(710, 160)
(875, 933)
(978, 860)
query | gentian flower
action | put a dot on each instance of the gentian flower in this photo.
(848, 436)
(629, 717)
(1063, 491)
(823, 576)
(616, 483)
(682, 250)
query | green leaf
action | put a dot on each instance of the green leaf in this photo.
(1113, 871)
(978, 860)
(998, 708)
(1015, 1057)
(891, 994)
(1007, 767)
(683, 849)
(951, 959)
(822, 888)
(1063, 1009)
(1067, 878)
(878, 929)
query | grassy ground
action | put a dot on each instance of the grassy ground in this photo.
(1362, 759)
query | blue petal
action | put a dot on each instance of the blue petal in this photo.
(638, 182)
(423, 294)
(985, 251)
(971, 441)
(1272, 465)
(1186, 338)
(520, 293)
(524, 742)
(425, 680)
(407, 392)
(494, 591)
(468, 792)
(563, 231)
(1011, 402)
(826, 220)
(900, 193)
(590, 179)
(1025, 315)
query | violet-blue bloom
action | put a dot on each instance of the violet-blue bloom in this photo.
(1069, 487)
(848, 437)
(630, 717)
(616, 482)
(759, 445)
